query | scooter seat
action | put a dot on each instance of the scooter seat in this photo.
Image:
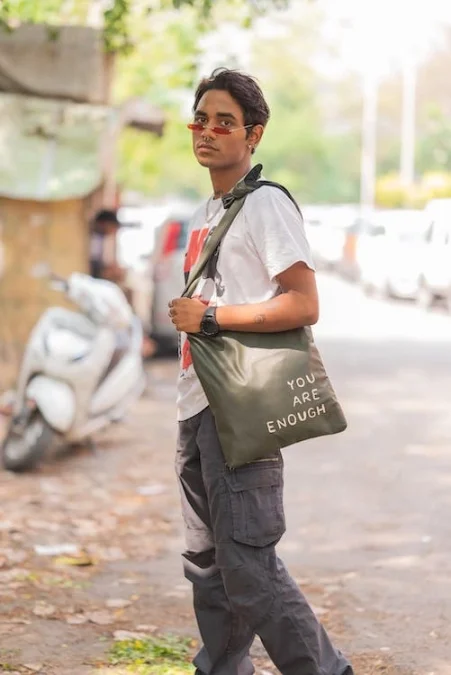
(66, 345)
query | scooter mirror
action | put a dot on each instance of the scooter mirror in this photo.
(58, 283)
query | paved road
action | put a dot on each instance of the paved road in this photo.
(368, 511)
(373, 504)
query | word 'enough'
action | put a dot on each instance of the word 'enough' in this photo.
(295, 418)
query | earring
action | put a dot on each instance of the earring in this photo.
(250, 147)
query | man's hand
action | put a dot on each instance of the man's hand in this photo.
(186, 314)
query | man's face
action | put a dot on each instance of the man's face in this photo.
(111, 227)
(217, 108)
(107, 227)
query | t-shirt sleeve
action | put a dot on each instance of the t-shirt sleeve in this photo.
(276, 229)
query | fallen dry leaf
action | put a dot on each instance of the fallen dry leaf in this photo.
(80, 560)
(145, 628)
(175, 594)
(56, 549)
(44, 610)
(77, 619)
(118, 603)
(101, 618)
(151, 490)
(120, 635)
(34, 667)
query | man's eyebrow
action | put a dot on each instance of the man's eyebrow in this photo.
(223, 115)
(226, 114)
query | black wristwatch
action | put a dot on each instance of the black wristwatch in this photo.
(209, 326)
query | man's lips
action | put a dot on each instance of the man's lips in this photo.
(205, 146)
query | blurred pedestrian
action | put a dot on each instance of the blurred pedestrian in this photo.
(263, 280)
(103, 247)
(104, 264)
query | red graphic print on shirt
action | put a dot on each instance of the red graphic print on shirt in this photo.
(195, 245)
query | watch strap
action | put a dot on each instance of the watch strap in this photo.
(210, 313)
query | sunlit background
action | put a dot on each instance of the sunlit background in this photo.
(95, 96)
(360, 101)
(360, 98)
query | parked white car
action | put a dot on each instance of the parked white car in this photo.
(389, 253)
(435, 268)
(326, 228)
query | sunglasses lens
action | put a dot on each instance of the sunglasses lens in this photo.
(219, 131)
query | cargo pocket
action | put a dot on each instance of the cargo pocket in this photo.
(256, 497)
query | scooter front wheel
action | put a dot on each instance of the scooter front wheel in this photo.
(23, 449)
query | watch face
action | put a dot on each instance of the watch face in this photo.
(210, 327)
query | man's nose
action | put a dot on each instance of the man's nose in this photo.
(208, 133)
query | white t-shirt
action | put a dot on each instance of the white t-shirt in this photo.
(265, 239)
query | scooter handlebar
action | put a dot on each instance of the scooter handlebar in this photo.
(58, 283)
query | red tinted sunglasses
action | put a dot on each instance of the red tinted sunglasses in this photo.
(219, 131)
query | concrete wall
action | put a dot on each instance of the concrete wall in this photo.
(33, 233)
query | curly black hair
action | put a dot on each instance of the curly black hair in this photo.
(241, 87)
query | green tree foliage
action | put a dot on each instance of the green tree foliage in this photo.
(392, 193)
(157, 47)
(302, 147)
(161, 166)
(434, 145)
(313, 140)
(315, 164)
(118, 15)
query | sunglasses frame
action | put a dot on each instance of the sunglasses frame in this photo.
(198, 127)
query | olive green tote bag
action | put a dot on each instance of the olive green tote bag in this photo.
(265, 390)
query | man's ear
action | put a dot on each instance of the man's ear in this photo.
(256, 134)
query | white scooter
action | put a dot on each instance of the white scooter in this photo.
(79, 373)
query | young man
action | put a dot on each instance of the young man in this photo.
(263, 280)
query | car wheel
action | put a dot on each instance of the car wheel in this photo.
(448, 300)
(424, 297)
(368, 288)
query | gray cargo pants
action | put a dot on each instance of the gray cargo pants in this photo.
(233, 520)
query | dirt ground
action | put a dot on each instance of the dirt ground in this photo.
(90, 543)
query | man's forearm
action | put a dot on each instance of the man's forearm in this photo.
(285, 312)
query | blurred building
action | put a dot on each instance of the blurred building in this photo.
(57, 137)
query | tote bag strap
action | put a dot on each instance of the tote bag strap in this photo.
(233, 202)
(271, 183)
(211, 245)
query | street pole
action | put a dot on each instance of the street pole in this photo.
(369, 141)
(407, 163)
